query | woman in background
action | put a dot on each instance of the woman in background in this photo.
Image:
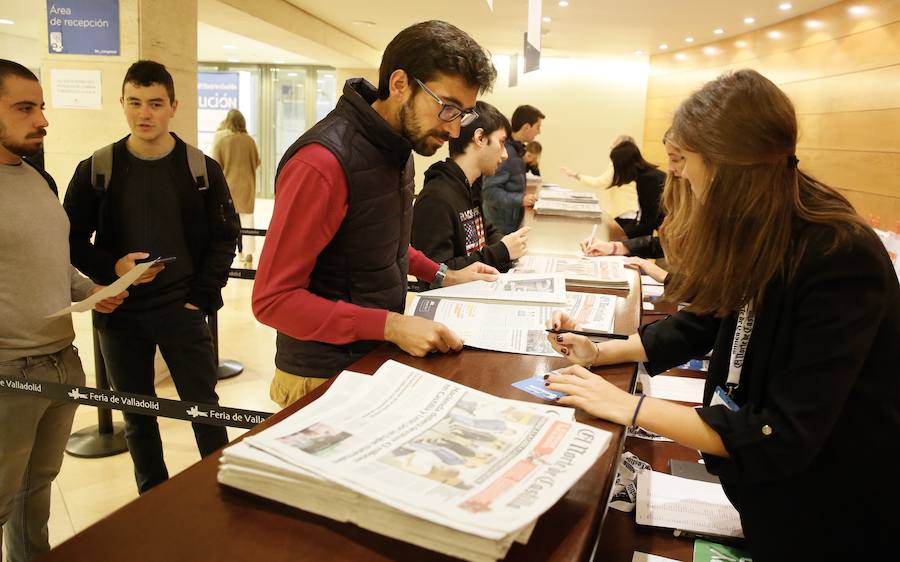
(798, 300)
(617, 201)
(236, 152)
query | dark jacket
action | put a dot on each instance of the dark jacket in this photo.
(448, 221)
(366, 262)
(505, 190)
(644, 247)
(209, 223)
(649, 184)
(819, 400)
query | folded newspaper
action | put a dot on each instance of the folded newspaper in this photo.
(421, 459)
(568, 208)
(599, 272)
(515, 327)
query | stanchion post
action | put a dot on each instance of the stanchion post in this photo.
(106, 438)
(229, 367)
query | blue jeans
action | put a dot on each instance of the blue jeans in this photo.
(128, 342)
(33, 435)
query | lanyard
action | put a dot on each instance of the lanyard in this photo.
(742, 333)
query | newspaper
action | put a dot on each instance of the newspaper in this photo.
(440, 451)
(515, 328)
(567, 208)
(605, 272)
(111, 290)
(512, 287)
(563, 194)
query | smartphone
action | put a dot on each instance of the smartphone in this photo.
(158, 261)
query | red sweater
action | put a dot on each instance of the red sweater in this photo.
(310, 205)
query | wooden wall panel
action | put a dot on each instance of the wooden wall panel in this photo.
(844, 80)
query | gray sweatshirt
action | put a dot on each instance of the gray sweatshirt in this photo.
(36, 276)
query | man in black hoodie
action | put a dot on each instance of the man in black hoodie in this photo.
(448, 220)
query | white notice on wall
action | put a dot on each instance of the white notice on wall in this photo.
(75, 89)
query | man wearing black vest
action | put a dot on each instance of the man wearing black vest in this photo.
(155, 204)
(332, 275)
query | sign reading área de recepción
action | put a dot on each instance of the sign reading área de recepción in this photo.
(83, 27)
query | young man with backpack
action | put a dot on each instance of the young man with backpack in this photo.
(150, 195)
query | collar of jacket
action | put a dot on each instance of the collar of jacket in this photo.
(518, 146)
(119, 145)
(356, 104)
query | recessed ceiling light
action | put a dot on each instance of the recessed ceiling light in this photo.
(718, 31)
(278, 61)
(363, 22)
(292, 74)
(639, 52)
(813, 24)
(547, 19)
(7, 22)
(858, 10)
(748, 21)
(710, 51)
(229, 47)
(688, 39)
(680, 56)
(663, 46)
(740, 44)
(234, 60)
(785, 6)
(774, 35)
(563, 4)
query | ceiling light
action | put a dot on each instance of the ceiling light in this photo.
(234, 60)
(688, 39)
(785, 6)
(680, 56)
(229, 47)
(740, 44)
(278, 61)
(749, 21)
(292, 74)
(718, 31)
(639, 52)
(774, 35)
(546, 19)
(858, 10)
(710, 51)
(813, 24)
(563, 4)
(663, 46)
(7, 22)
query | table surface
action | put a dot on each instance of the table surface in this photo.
(191, 517)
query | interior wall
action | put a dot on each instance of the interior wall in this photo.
(588, 102)
(23, 50)
(841, 68)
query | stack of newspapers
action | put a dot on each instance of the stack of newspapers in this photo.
(598, 272)
(562, 194)
(568, 208)
(421, 459)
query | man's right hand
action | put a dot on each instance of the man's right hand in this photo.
(127, 263)
(529, 200)
(418, 336)
(516, 242)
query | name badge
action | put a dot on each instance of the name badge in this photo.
(721, 398)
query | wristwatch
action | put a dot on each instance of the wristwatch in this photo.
(438, 280)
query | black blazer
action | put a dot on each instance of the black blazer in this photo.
(649, 185)
(819, 401)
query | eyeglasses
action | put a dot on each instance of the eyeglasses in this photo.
(450, 112)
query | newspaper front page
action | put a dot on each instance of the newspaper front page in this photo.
(608, 271)
(547, 288)
(441, 451)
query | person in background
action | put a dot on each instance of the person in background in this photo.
(643, 246)
(36, 280)
(630, 166)
(798, 300)
(532, 157)
(448, 223)
(617, 201)
(332, 276)
(505, 199)
(235, 151)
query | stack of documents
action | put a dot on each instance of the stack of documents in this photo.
(421, 459)
(568, 208)
(563, 194)
(683, 504)
(549, 288)
(599, 272)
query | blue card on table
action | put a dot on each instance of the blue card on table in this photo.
(535, 386)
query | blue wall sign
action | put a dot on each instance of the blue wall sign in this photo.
(218, 90)
(83, 27)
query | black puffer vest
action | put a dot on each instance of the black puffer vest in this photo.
(366, 262)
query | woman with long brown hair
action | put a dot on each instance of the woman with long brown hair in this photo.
(797, 299)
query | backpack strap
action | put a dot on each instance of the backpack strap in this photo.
(101, 168)
(197, 164)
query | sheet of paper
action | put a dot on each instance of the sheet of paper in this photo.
(644, 557)
(653, 291)
(664, 500)
(511, 287)
(112, 290)
(647, 280)
(667, 387)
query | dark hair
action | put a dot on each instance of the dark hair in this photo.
(534, 147)
(489, 120)
(11, 68)
(627, 163)
(525, 115)
(146, 73)
(435, 47)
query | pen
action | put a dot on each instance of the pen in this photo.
(605, 335)
(593, 234)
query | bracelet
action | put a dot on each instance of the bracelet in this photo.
(596, 353)
(636, 410)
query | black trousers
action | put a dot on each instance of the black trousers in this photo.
(128, 342)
